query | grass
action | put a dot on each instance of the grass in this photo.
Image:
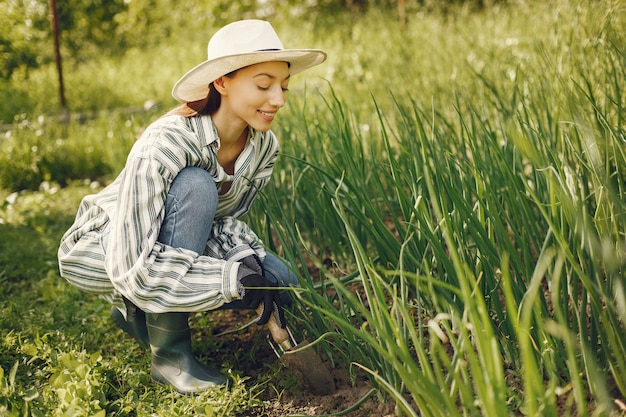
(455, 211)
(60, 353)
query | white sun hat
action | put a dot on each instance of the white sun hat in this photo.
(237, 45)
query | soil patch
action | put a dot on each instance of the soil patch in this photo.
(248, 351)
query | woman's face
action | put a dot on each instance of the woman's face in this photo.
(254, 94)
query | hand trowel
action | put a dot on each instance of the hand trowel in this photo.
(306, 363)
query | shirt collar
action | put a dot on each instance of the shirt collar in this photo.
(207, 132)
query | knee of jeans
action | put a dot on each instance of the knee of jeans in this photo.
(196, 184)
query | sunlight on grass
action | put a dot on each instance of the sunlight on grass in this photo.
(454, 206)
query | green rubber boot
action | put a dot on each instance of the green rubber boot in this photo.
(136, 327)
(173, 363)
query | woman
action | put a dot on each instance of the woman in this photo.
(164, 238)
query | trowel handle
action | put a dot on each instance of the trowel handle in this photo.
(281, 336)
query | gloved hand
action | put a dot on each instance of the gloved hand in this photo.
(259, 291)
(254, 263)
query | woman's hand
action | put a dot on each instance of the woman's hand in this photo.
(257, 290)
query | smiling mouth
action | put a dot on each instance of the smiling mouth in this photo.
(267, 114)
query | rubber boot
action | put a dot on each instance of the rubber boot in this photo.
(173, 363)
(136, 327)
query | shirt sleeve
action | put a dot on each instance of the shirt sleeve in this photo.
(233, 239)
(154, 276)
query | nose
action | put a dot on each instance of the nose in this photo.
(278, 97)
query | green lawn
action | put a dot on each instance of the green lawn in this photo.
(454, 205)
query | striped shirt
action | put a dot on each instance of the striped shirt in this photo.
(127, 216)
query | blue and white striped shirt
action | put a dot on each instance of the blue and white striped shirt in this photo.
(129, 212)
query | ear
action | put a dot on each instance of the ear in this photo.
(220, 85)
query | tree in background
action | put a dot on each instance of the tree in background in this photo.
(26, 32)
(94, 27)
(86, 27)
(89, 26)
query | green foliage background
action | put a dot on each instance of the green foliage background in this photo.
(466, 173)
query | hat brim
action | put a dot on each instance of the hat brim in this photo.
(194, 85)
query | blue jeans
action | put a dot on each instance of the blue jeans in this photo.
(190, 209)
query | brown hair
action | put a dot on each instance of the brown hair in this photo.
(207, 105)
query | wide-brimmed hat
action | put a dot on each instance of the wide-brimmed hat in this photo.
(237, 45)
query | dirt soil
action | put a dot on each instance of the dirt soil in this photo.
(249, 352)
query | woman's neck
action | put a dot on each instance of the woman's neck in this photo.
(230, 133)
(232, 142)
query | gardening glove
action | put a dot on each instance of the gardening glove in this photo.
(257, 290)
(254, 263)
